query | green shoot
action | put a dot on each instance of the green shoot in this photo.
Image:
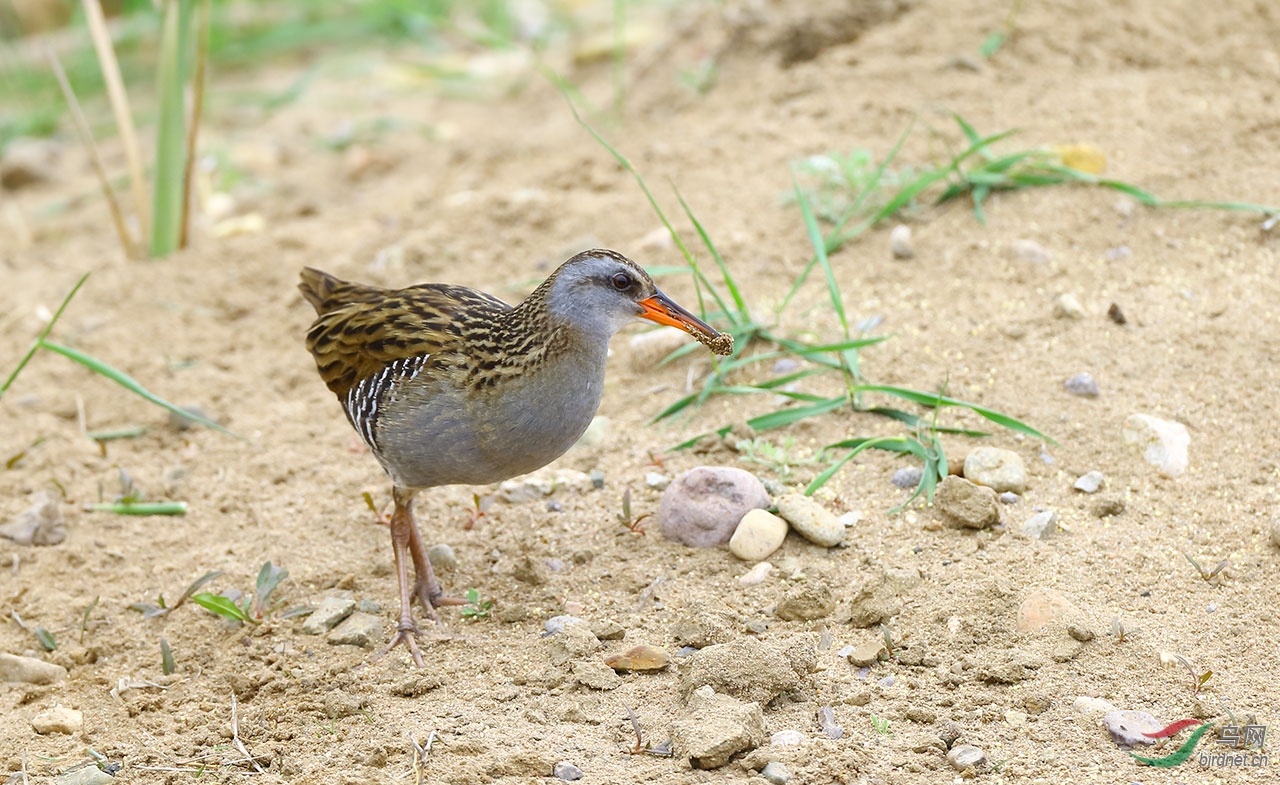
(140, 508)
(149, 610)
(881, 725)
(1121, 632)
(625, 517)
(26, 358)
(1198, 680)
(223, 606)
(166, 658)
(780, 458)
(170, 162)
(269, 577)
(475, 608)
(84, 617)
(46, 639)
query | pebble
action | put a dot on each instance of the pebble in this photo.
(328, 614)
(1041, 525)
(656, 480)
(595, 675)
(1087, 705)
(1127, 728)
(1106, 506)
(557, 624)
(867, 653)
(758, 535)
(29, 670)
(1089, 482)
(715, 727)
(647, 349)
(1163, 443)
(811, 520)
(998, 469)
(806, 601)
(786, 738)
(1115, 314)
(442, 558)
(965, 504)
(887, 682)
(597, 478)
(358, 629)
(543, 483)
(758, 574)
(827, 721)
(784, 365)
(1082, 384)
(775, 771)
(58, 720)
(88, 775)
(575, 642)
(1015, 719)
(900, 242)
(1009, 497)
(608, 630)
(368, 606)
(27, 161)
(1042, 606)
(180, 421)
(850, 518)
(702, 507)
(966, 756)
(639, 658)
(1066, 306)
(564, 770)
(1029, 251)
(39, 524)
(907, 477)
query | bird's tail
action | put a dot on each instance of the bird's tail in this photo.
(327, 292)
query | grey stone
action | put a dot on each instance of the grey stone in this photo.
(1128, 728)
(564, 770)
(827, 721)
(966, 756)
(596, 675)
(442, 558)
(39, 524)
(1009, 497)
(59, 719)
(328, 614)
(811, 520)
(88, 775)
(965, 504)
(1041, 525)
(29, 670)
(656, 480)
(998, 469)
(702, 507)
(776, 772)
(806, 601)
(907, 477)
(368, 606)
(1082, 384)
(867, 653)
(358, 629)
(715, 727)
(1089, 482)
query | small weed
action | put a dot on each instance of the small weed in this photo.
(1121, 632)
(1198, 680)
(84, 617)
(1213, 576)
(130, 501)
(43, 636)
(625, 518)
(480, 507)
(643, 747)
(251, 609)
(890, 645)
(166, 658)
(475, 608)
(781, 459)
(881, 725)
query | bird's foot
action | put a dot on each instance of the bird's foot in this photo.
(431, 596)
(407, 634)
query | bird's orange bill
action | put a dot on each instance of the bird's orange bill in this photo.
(663, 310)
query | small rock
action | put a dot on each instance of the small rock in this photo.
(1066, 306)
(543, 483)
(806, 601)
(1000, 470)
(27, 162)
(965, 504)
(1128, 728)
(328, 614)
(775, 771)
(529, 570)
(907, 477)
(1163, 442)
(564, 770)
(647, 349)
(877, 598)
(827, 721)
(1042, 525)
(1089, 482)
(574, 642)
(1080, 632)
(1082, 384)
(1107, 506)
(39, 524)
(88, 775)
(786, 738)
(186, 420)
(784, 365)
(358, 629)
(1009, 497)
(1042, 606)
(1087, 705)
(557, 624)
(656, 480)
(759, 534)
(597, 478)
(608, 630)
(1115, 314)
(702, 507)
(706, 622)
(966, 756)
(900, 242)
(867, 653)
(811, 520)
(29, 670)
(58, 720)
(639, 658)
(596, 675)
(442, 558)
(1015, 719)
(760, 573)
(716, 727)
(368, 606)
(750, 669)
(887, 682)
(1029, 251)
(1124, 206)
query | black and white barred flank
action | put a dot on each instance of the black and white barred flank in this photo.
(366, 396)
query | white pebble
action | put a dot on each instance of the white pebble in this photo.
(1066, 306)
(810, 519)
(900, 242)
(756, 575)
(656, 480)
(786, 738)
(758, 535)
(58, 720)
(1089, 482)
(1163, 443)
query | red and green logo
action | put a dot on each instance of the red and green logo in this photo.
(1182, 753)
(1247, 745)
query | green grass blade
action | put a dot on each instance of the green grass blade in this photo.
(141, 508)
(217, 604)
(170, 164)
(126, 381)
(43, 334)
(891, 443)
(820, 251)
(731, 284)
(787, 416)
(932, 399)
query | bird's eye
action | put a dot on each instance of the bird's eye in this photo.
(622, 281)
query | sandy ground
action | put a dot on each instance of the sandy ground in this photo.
(1180, 96)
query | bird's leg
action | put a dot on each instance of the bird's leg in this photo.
(403, 533)
(426, 588)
